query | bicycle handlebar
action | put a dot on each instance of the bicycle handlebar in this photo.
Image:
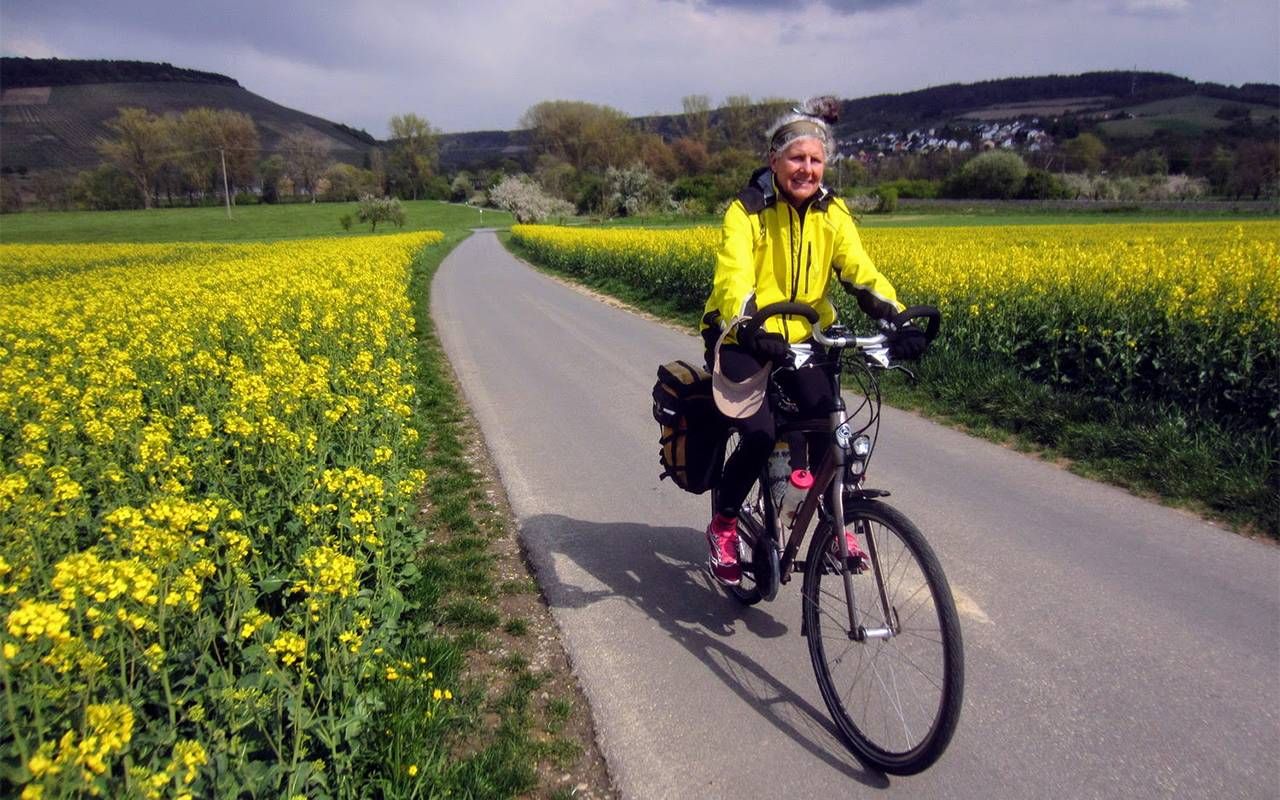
(875, 346)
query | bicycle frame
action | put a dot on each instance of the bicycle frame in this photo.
(829, 477)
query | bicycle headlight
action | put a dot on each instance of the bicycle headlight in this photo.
(862, 446)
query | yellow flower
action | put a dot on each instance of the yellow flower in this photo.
(33, 620)
(252, 620)
(289, 647)
(328, 572)
(413, 770)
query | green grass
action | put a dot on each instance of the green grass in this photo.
(1192, 115)
(247, 223)
(487, 754)
(1151, 450)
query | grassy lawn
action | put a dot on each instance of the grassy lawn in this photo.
(247, 223)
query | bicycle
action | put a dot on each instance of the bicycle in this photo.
(883, 632)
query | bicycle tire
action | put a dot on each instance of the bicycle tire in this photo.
(876, 690)
(750, 529)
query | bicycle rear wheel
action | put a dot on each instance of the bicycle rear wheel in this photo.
(893, 685)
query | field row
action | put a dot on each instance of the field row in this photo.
(1186, 314)
(207, 475)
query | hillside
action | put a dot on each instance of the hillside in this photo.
(52, 110)
(54, 124)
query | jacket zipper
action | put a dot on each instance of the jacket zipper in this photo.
(808, 268)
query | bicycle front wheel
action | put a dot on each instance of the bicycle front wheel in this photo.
(893, 679)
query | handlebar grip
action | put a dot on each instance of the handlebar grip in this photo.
(917, 312)
(773, 309)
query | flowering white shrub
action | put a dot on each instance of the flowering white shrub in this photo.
(525, 199)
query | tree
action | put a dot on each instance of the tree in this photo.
(205, 137)
(346, 182)
(107, 188)
(633, 191)
(735, 121)
(461, 187)
(414, 152)
(1042, 185)
(10, 197)
(1254, 173)
(271, 170)
(998, 174)
(587, 136)
(1147, 162)
(53, 188)
(524, 198)
(697, 116)
(691, 154)
(658, 157)
(1084, 153)
(139, 148)
(557, 177)
(375, 209)
(305, 156)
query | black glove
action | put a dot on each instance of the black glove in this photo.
(767, 346)
(906, 343)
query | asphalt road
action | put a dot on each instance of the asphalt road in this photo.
(1114, 647)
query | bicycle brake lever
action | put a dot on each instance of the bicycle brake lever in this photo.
(910, 374)
(878, 355)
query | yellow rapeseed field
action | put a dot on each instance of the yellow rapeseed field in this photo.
(1187, 313)
(205, 464)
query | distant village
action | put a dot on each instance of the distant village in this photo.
(1017, 135)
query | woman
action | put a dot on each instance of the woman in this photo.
(784, 237)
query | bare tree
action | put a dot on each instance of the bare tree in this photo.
(305, 157)
(697, 116)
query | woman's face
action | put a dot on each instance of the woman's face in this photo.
(798, 169)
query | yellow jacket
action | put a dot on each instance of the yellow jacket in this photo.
(768, 254)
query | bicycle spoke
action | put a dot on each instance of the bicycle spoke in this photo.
(917, 668)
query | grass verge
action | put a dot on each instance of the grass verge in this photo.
(247, 223)
(507, 733)
(1153, 451)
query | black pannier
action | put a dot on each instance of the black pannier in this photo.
(692, 431)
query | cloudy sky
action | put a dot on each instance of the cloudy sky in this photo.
(478, 64)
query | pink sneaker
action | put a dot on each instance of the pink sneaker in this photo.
(722, 538)
(856, 555)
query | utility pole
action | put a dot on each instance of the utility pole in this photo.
(226, 191)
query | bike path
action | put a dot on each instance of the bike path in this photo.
(1114, 647)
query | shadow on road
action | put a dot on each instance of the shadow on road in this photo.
(650, 568)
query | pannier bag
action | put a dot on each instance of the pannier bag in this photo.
(692, 431)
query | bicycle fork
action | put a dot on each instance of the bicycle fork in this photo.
(840, 448)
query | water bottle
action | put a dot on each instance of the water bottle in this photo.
(798, 485)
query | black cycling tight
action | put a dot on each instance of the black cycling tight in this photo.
(809, 387)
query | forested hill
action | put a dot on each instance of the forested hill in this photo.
(16, 73)
(1108, 89)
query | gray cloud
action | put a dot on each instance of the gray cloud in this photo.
(841, 6)
(475, 64)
